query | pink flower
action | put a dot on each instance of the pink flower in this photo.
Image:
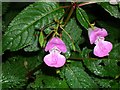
(97, 37)
(55, 46)
(55, 41)
(97, 32)
(54, 59)
(102, 48)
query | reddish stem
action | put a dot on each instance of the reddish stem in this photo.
(87, 3)
(64, 6)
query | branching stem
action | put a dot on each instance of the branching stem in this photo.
(86, 3)
(69, 15)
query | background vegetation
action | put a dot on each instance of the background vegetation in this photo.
(22, 56)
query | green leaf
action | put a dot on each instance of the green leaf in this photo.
(21, 29)
(15, 69)
(13, 73)
(52, 82)
(107, 83)
(41, 39)
(82, 17)
(104, 83)
(75, 33)
(76, 77)
(34, 46)
(101, 67)
(112, 9)
(37, 83)
(45, 81)
(9, 17)
(115, 53)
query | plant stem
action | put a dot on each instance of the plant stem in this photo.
(48, 35)
(69, 15)
(67, 34)
(64, 6)
(87, 3)
(46, 26)
(81, 58)
(75, 59)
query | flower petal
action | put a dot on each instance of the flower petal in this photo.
(113, 2)
(97, 32)
(55, 59)
(55, 41)
(102, 48)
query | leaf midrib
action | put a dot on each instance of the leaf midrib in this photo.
(73, 73)
(23, 30)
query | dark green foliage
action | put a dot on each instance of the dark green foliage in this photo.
(25, 28)
(82, 17)
(76, 77)
(75, 38)
(104, 67)
(44, 81)
(11, 71)
(20, 32)
(112, 9)
(15, 70)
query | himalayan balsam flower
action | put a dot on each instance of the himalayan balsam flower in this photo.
(102, 47)
(97, 37)
(97, 32)
(55, 46)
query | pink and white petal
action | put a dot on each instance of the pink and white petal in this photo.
(102, 32)
(55, 49)
(61, 61)
(97, 32)
(54, 59)
(62, 47)
(113, 2)
(55, 41)
(91, 35)
(102, 48)
(48, 60)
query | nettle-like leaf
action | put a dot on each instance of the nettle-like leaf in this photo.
(115, 53)
(106, 67)
(45, 81)
(107, 83)
(82, 17)
(112, 9)
(105, 72)
(21, 29)
(35, 44)
(13, 73)
(76, 77)
(9, 17)
(14, 70)
(75, 33)
(103, 67)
